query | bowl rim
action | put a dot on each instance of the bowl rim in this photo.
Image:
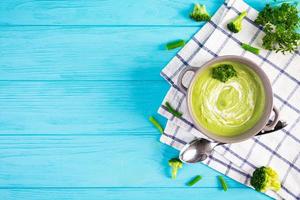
(268, 100)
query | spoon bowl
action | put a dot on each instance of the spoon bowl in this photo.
(199, 149)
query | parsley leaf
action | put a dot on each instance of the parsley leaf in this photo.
(280, 25)
(223, 72)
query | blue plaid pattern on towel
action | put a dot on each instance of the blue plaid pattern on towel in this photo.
(281, 149)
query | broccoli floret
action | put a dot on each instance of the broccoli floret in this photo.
(175, 164)
(265, 178)
(199, 13)
(235, 26)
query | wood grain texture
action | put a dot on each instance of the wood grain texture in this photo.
(95, 12)
(94, 161)
(86, 53)
(79, 107)
(131, 193)
(78, 81)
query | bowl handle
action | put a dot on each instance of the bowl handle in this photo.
(182, 87)
(272, 125)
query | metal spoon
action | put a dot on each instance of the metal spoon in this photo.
(199, 149)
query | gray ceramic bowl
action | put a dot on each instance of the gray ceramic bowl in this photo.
(261, 125)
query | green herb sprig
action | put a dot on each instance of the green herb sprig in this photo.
(223, 183)
(280, 25)
(194, 180)
(175, 44)
(223, 72)
(250, 48)
(156, 124)
(172, 110)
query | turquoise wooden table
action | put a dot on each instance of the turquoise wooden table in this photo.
(79, 79)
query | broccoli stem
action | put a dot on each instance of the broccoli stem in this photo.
(250, 48)
(235, 26)
(175, 164)
(223, 183)
(174, 172)
(194, 180)
(175, 44)
(197, 7)
(172, 110)
(156, 124)
(242, 15)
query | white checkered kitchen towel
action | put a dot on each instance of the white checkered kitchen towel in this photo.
(281, 149)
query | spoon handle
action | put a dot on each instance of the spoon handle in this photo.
(280, 125)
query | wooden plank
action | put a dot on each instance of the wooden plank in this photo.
(86, 53)
(111, 12)
(95, 12)
(79, 107)
(130, 193)
(94, 161)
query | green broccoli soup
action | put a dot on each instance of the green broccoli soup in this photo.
(228, 108)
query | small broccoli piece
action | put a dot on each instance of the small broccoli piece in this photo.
(175, 44)
(223, 72)
(265, 178)
(175, 164)
(235, 26)
(250, 48)
(200, 13)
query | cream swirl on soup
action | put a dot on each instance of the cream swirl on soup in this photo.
(230, 108)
